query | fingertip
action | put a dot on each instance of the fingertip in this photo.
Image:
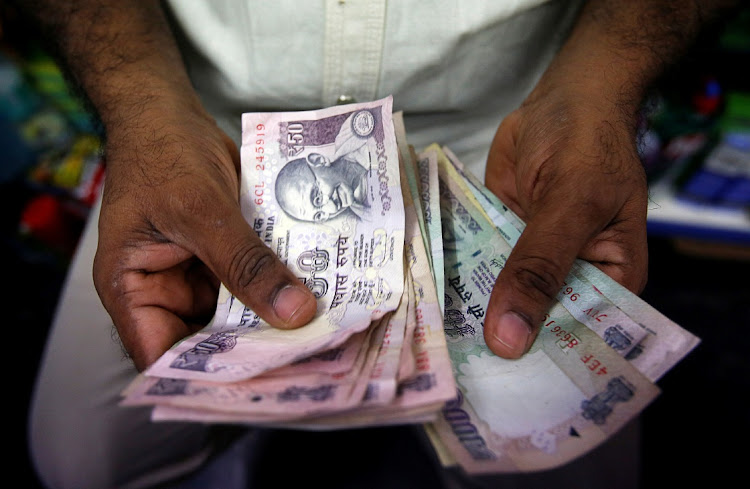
(510, 336)
(295, 305)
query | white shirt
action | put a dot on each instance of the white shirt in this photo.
(455, 68)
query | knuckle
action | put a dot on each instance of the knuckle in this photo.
(202, 208)
(537, 276)
(191, 201)
(251, 264)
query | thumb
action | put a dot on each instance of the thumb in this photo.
(530, 281)
(254, 274)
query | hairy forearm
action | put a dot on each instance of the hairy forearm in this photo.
(618, 49)
(122, 55)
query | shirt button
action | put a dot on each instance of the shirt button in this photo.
(345, 99)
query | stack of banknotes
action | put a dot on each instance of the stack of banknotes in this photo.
(402, 248)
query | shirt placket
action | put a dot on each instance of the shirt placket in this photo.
(353, 50)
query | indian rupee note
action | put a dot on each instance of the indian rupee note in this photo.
(333, 361)
(564, 397)
(260, 399)
(381, 386)
(431, 383)
(427, 166)
(320, 423)
(649, 340)
(433, 380)
(407, 364)
(409, 172)
(322, 190)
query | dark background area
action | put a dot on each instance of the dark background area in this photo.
(693, 430)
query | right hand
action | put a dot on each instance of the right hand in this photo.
(170, 230)
(566, 162)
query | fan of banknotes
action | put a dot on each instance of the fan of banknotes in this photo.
(402, 247)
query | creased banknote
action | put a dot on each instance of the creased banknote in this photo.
(649, 340)
(564, 397)
(427, 168)
(429, 384)
(265, 398)
(322, 190)
(402, 249)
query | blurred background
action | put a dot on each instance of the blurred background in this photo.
(695, 146)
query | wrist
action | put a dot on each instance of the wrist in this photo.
(127, 108)
(617, 50)
(121, 55)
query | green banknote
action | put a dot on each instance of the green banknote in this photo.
(564, 397)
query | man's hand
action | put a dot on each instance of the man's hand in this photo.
(566, 160)
(574, 176)
(171, 229)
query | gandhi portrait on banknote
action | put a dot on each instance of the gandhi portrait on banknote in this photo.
(317, 188)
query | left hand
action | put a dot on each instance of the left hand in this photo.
(566, 162)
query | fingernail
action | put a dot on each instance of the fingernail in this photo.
(289, 301)
(513, 332)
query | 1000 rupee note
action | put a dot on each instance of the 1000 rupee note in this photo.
(568, 394)
(322, 190)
